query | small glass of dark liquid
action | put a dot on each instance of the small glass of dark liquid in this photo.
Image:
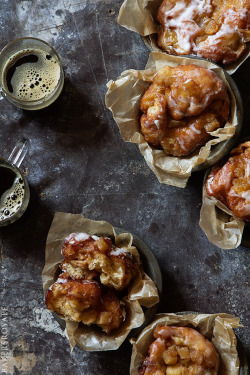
(14, 189)
(31, 74)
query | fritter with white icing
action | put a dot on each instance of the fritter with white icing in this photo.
(181, 106)
(180, 351)
(214, 29)
(230, 183)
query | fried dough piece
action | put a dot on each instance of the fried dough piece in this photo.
(154, 119)
(181, 106)
(182, 140)
(85, 301)
(214, 29)
(230, 183)
(89, 257)
(75, 270)
(180, 351)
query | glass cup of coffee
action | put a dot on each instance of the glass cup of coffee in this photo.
(14, 189)
(31, 74)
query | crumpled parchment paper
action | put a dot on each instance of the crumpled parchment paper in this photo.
(218, 328)
(221, 226)
(142, 290)
(141, 16)
(123, 99)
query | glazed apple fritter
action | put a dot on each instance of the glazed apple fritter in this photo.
(230, 183)
(180, 351)
(85, 301)
(181, 106)
(214, 29)
(91, 257)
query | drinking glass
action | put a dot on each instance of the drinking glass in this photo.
(15, 199)
(31, 74)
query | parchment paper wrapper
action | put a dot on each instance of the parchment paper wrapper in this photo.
(142, 291)
(123, 99)
(218, 328)
(220, 225)
(141, 16)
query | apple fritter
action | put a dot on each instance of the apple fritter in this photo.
(180, 351)
(86, 302)
(214, 29)
(230, 183)
(181, 107)
(96, 257)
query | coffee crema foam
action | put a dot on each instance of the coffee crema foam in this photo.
(12, 200)
(31, 74)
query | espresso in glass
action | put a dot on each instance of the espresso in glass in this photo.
(14, 189)
(31, 73)
(12, 192)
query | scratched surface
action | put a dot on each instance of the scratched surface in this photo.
(78, 163)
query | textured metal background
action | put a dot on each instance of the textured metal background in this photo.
(79, 163)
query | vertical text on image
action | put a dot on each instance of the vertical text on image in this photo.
(4, 348)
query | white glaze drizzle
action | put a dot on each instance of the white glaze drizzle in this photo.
(181, 18)
(226, 28)
(213, 40)
(194, 129)
(73, 237)
(118, 251)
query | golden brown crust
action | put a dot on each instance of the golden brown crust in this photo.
(86, 302)
(213, 29)
(180, 351)
(230, 183)
(98, 259)
(181, 106)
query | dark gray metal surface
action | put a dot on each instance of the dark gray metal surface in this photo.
(79, 163)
